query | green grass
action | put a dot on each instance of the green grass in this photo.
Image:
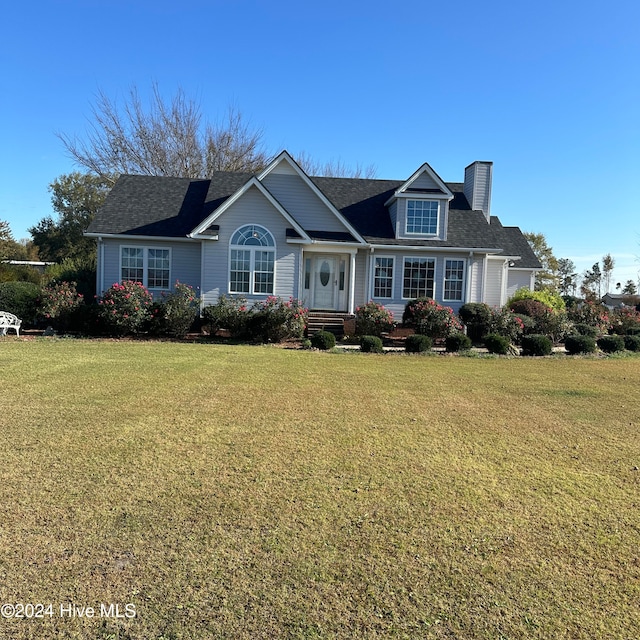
(256, 492)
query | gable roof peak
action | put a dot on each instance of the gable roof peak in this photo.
(424, 180)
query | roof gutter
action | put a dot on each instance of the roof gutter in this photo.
(402, 247)
(129, 236)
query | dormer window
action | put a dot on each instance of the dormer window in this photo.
(422, 217)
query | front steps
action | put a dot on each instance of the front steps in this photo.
(333, 321)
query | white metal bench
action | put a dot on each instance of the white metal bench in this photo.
(9, 321)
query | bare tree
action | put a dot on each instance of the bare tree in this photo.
(334, 168)
(168, 139)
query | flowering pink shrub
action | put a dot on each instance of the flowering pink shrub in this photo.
(504, 322)
(125, 308)
(174, 314)
(592, 314)
(625, 320)
(269, 320)
(372, 319)
(230, 313)
(58, 302)
(274, 320)
(430, 318)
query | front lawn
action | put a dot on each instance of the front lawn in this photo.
(257, 492)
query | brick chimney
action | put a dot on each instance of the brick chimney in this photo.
(477, 186)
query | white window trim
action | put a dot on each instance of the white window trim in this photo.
(373, 277)
(419, 257)
(145, 264)
(420, 234)
(463, 280)
(252, 262)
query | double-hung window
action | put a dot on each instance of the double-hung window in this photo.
(422, 217)
(418, 277)
(383, 278)
(453, 279)
(147, 265)
(252, 261)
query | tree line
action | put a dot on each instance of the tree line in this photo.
(560, 275)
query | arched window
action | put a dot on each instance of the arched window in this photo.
(252, 260)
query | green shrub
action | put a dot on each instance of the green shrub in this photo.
(175, 313)
(323, 340)
(229, 313)
(21, 299)
(476, 316)
(536, 345)
(82, 271)
(59, 304)
(575, 344)
(371, 344)
(417, 343)
(634, 331)
(429, 318)
(475, 313)
(19, 273)
(496, 343)
(548, 298)
(125, 308)
(584, 329)
(274, 320)
(632, 343)
(373, 319)
(457, 342)
(611, 344)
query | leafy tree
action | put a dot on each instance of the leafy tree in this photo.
(567, 276)
(592, 282)
(629, 288)
(6, 240)
(166, 139)
(10, 249)
(548, 277)
(75, 197)
(607, 270)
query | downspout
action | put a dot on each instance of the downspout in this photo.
(352, 282)
(469, 276)
(370, 274)
(100, 274)
(202, 247)
(485, 265)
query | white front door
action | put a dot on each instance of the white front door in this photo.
(325, 282)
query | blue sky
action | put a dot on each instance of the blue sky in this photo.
(548, 91)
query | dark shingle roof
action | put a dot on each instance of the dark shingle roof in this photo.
(173, 207)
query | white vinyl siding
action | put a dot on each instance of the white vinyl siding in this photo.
(494, 286)
(517, 279)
